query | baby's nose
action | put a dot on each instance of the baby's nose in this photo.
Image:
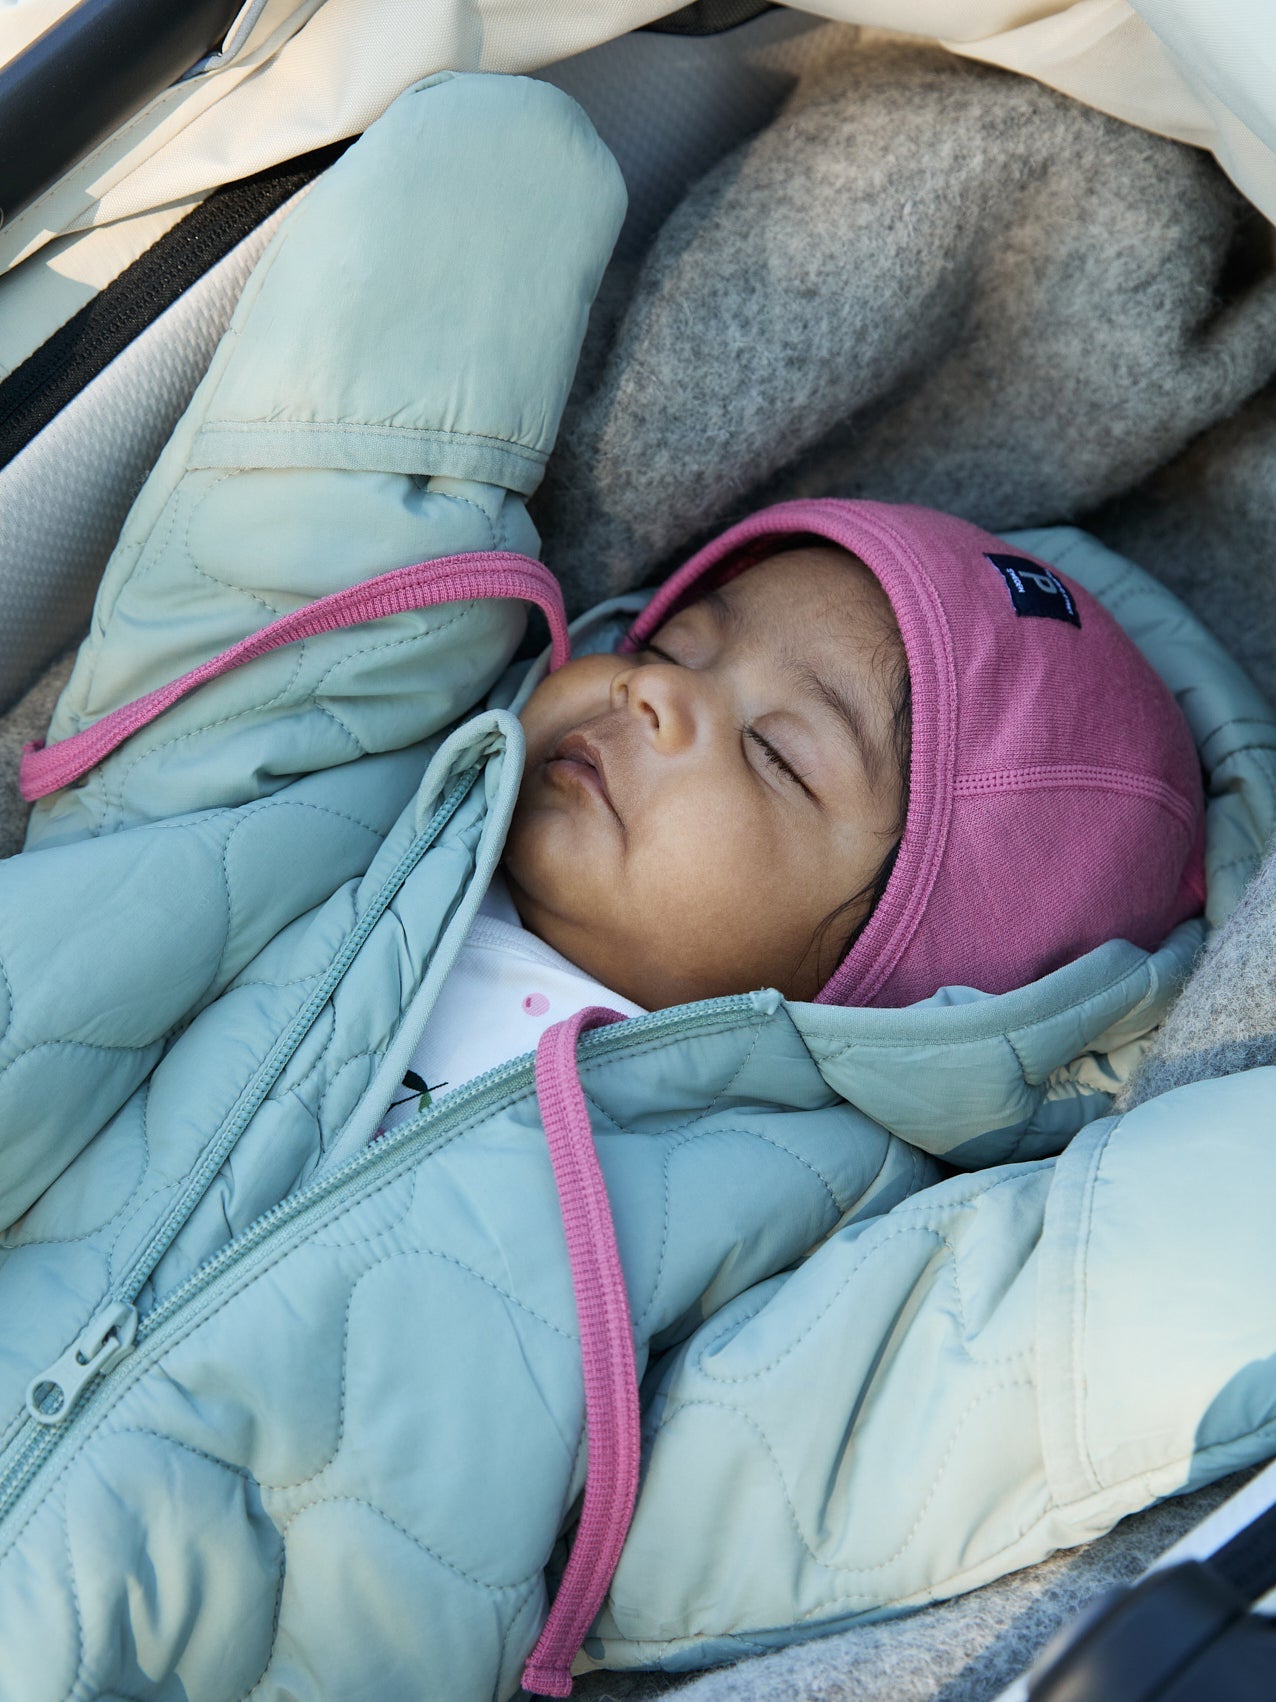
(665, 697)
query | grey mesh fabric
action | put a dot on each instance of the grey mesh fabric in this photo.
(64, 497)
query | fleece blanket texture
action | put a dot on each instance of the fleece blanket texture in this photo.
(930, 281)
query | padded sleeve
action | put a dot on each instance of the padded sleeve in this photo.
(387, 393)
(1003, 1365)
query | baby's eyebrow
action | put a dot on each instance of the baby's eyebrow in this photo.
(850, 715)
(727, 616)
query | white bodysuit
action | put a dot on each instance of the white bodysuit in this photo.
(504, 990)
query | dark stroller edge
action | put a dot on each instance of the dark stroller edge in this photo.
(709, 17)
(1183, 1633)
(89, 71)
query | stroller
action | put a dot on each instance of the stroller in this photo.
(129, 233)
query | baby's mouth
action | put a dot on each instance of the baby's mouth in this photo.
(576, 759)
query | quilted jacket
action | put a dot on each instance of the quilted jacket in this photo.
(286, 1411)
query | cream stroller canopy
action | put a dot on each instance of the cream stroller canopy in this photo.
(293, 75)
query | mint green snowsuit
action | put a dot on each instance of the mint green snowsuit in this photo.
(912, 1308)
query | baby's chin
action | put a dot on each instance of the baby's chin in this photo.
(647, 972)
(585, 941)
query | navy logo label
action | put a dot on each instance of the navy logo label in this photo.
(1034, 590)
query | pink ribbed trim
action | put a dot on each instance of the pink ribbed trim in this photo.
(450, 579)
(607, 1357)
(891, 553)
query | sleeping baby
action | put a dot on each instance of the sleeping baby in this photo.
(881, 832)
(854, 751)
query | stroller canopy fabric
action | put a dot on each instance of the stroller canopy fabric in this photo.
(293, 75)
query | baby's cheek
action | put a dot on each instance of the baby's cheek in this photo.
(536, 716)
(578, 691)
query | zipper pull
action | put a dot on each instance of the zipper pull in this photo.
(99, 1346)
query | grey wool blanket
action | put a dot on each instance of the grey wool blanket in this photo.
(929, 281)
(925, 281)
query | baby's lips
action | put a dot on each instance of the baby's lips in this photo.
(582, 754)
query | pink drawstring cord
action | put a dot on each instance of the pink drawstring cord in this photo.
(450, 579)
(607, 1356)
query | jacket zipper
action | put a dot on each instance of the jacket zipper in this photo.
(117, 1329)
(111, 1332)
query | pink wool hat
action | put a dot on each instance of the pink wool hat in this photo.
(1055, 796)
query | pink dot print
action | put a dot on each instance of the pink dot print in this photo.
(536, 1004)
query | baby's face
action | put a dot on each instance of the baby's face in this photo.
(692, 813)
